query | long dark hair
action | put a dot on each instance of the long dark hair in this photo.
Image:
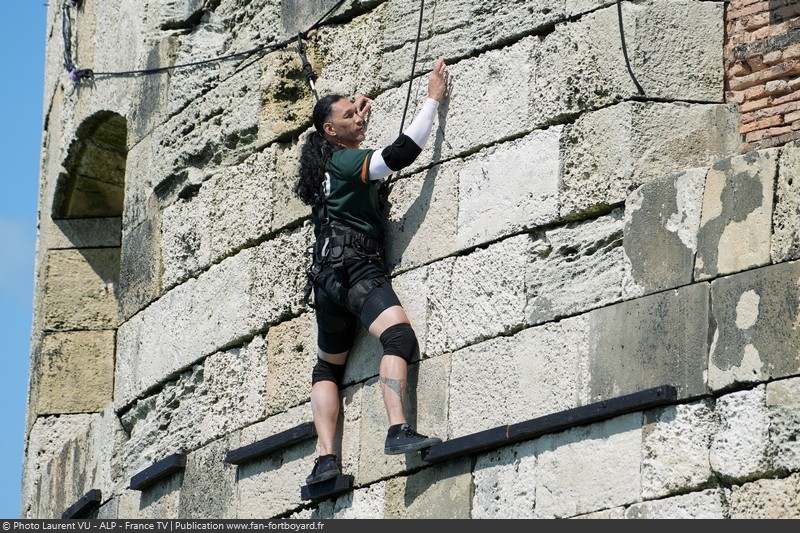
(316, 152)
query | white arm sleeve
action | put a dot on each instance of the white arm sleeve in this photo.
(419, 130)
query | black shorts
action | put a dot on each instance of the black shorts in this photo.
(365, 294)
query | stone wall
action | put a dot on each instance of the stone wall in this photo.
(563, 239)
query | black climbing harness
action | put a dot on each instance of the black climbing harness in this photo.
(336, 244)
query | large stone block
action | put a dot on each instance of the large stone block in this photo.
(611, 152)
(440, 491)
(767, 499)
(786, 217)
(385, 38)
(756, 337)
(141, 268)
(76, 372)
(589, 468)
(292, 354)
(662, 219)
(673, 47)
(287, 209)
(736, 225)
(783, 403)
(81, 289)
(209, 483)
(675, 450)
(509, 188)
(536, 372)
(740, 446)
(505, 483)
(467, 305)
(159, 501)
(574, 268)
(422, 222)
(655, 340)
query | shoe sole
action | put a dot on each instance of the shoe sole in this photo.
(325, 476)
(413, 447)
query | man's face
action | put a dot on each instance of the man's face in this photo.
(346, 127)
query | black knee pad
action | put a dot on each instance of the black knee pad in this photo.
(325, 371)
(400, 340)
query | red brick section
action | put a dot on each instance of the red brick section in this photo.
(762, 69)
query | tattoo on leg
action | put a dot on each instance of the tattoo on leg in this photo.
(395, 385)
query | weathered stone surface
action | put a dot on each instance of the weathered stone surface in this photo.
(783, 404)
(740, 444)
(767, 499)
(535, 372)
(423, 218)
(209, 483)
(675, 450)
(575, 268)
(786, 217)
(232, 209)
(736, 224)
(366, 503)
(222, 395)
(708, 505)
(216, 130)
(287, 209)
(589, 468)
(291, 356)
(159, 501)
(440, 491)
(505, 483)
(81, 289)
(45, 442)
(141, 268)
(70, 456)
(226, 304)
(386, 38)
(466, 306)
(611, 152)
(509, 188)
(662, 219)
(76, 372)
(81, 232)
(756, 337)
(663, 38)
(270, 486)
(656, 340)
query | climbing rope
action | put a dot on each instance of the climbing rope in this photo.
(386, 186)
(625, 50)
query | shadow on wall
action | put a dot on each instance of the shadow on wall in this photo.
(80, 312)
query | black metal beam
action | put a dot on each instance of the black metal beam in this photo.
(510, 434)
(327, 489)
(163, 468)
(84, 507)
(271, 444)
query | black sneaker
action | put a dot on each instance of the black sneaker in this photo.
(407, 440)
(325, 467)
